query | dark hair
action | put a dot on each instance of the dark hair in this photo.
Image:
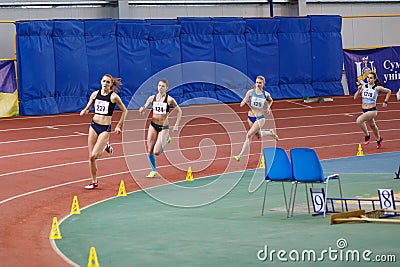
(115, 82)
(377, 82)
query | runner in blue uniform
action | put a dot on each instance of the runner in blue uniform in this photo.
(259, 101)
(104, 101)
(369, 94)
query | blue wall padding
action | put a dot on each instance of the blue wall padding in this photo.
(102, 52)
(226, 19)
(262, 51)
(71, 66)
(206, 60)
(180, 19)
(295, 50)
(161, 21)
(230, 50)
(36, 68)
(134, 64)
(165, 52)
(326, 39)
(197, 44)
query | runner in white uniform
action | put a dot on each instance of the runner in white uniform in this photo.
(369, 94)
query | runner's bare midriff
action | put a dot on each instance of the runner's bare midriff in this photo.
(160, 119)
(102, 119)
(368, 106)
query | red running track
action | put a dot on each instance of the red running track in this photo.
(44, 163)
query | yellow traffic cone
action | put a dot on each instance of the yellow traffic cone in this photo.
(360, 152)
(262, 165)
(92, 260)
(55, 230)
(189, 175)
(75, 206)
(122, 191)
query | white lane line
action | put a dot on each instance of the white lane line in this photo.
(128, 172)
(56, 186)
(115, 157)
(198, 147)
(208, 134)
(202, 115)
(40, 152)
(104, 176)
(64, 130)
(200, 135)
(204, 124)
(300, 104)
(41, 138)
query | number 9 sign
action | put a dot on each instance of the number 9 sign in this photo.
(318, 199)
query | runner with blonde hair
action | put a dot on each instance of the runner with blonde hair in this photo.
(260, 102)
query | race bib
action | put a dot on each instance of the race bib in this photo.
(101, 106)
(159, 108)
(368, 93)
(257, 102)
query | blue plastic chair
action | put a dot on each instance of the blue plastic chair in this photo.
(307, 169)
(277, 169)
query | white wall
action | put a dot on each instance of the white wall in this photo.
(356, 32)
(7, 30)
(367, 31)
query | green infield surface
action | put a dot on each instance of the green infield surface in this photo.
(138, 230)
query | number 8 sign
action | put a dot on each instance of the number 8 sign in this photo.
(386, 199)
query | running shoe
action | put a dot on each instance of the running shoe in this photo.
(274, 135)
(237, 158)
(379, 143)
(91, 186)
(367, 140)
(151, 174)
(109, 149)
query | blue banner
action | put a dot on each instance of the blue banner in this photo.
(384, 61)
(8, 92)
(7, 77)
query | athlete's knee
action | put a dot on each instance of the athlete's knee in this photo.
(150, 143)
(360, 121)
(373, 125)
(93, 157)
(249, 135)
(150, 147)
